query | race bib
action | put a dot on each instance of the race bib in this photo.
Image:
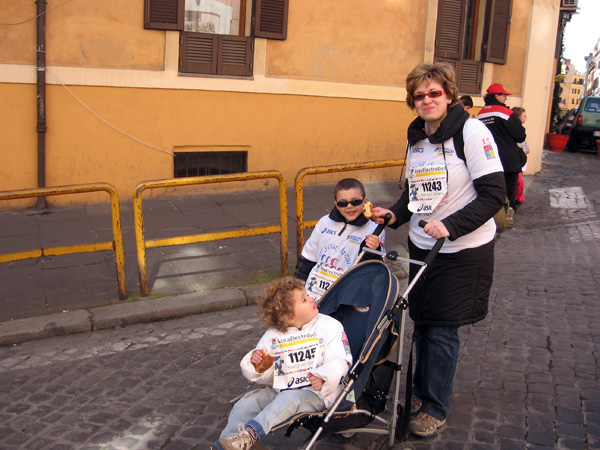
(321, 279)
(295, 356)
(428, 184)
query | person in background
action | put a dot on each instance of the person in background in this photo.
(338, 239)
(520, 189)
(508, 131)
(456, 188)
(467, 102)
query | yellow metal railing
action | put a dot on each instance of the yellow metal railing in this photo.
(301, 225)
(143, 244)
(116, 245)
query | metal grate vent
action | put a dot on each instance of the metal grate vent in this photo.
(195, 164)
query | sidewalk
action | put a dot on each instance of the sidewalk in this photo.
(56, 295)
(60, 295)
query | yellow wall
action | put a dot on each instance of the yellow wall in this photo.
(331, 93)
(361, 42)
(280, 132)
(106, 34)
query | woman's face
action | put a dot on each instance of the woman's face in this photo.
(432, 110)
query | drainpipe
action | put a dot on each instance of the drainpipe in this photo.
(41, 98)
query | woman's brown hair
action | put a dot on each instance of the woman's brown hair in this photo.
(443, 73)
(276, 305)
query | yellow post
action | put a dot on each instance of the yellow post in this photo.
(116, 245)
(142, 244)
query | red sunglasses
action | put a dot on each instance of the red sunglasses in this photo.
(432, 94)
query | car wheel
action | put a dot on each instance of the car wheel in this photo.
(573, 144)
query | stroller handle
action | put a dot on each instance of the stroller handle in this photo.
(381, 226)
(436, 248)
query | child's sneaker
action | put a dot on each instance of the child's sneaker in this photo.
(425, 425)
(237, 441)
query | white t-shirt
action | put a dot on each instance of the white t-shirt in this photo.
(334, 251)
(320, 347)
(481, 153)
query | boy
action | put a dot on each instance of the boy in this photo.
(467, 102)
(337, 240)
(310, 355)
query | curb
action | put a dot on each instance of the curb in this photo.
(87, 320)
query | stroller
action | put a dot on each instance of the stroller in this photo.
(366, 301)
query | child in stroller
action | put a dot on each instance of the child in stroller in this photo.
(311, 356)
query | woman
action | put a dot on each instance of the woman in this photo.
(455, 183)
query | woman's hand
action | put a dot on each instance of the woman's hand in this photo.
(379, 213)
(315, 382)
(436, 229)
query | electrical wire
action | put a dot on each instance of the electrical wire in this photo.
(111, 125)
(35, 17)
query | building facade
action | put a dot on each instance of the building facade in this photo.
(156, 89)
(592, 74)
(573, 88)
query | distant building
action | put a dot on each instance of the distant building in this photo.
(592, 72)
(572, 87)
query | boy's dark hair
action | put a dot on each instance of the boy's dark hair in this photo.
(276, 305)
(466, 100)
(348, 183)
(518, 111)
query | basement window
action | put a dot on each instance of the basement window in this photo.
(195, 164)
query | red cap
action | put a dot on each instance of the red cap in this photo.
(497, 88)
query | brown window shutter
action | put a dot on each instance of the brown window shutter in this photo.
(470, 76)
(164, 14)
(498, 16)
(270, 19)
(236, 54)
(450, 29)
(198, 53)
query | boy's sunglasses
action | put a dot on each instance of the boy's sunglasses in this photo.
(355, 202)
(432, 94)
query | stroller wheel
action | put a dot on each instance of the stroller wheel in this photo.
(347, 435)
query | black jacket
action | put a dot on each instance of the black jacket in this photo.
(454, 290)
(491, 189)
(508, 130)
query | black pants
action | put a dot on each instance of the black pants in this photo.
(510, 178)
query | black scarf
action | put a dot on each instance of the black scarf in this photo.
(451, 125)
(336, 216)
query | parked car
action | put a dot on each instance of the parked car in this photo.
(585, 130)
(564, 125)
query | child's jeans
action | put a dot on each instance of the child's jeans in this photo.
(262, 409)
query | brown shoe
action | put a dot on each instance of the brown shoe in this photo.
(510, 218)
(425, 425)
(415, 405)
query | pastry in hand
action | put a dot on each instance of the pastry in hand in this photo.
(267, 361)
(368, 209)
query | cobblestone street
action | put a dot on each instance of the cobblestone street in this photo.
(528, 375)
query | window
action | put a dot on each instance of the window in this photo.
(215, 36)
(195, 164)
(469, 33)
